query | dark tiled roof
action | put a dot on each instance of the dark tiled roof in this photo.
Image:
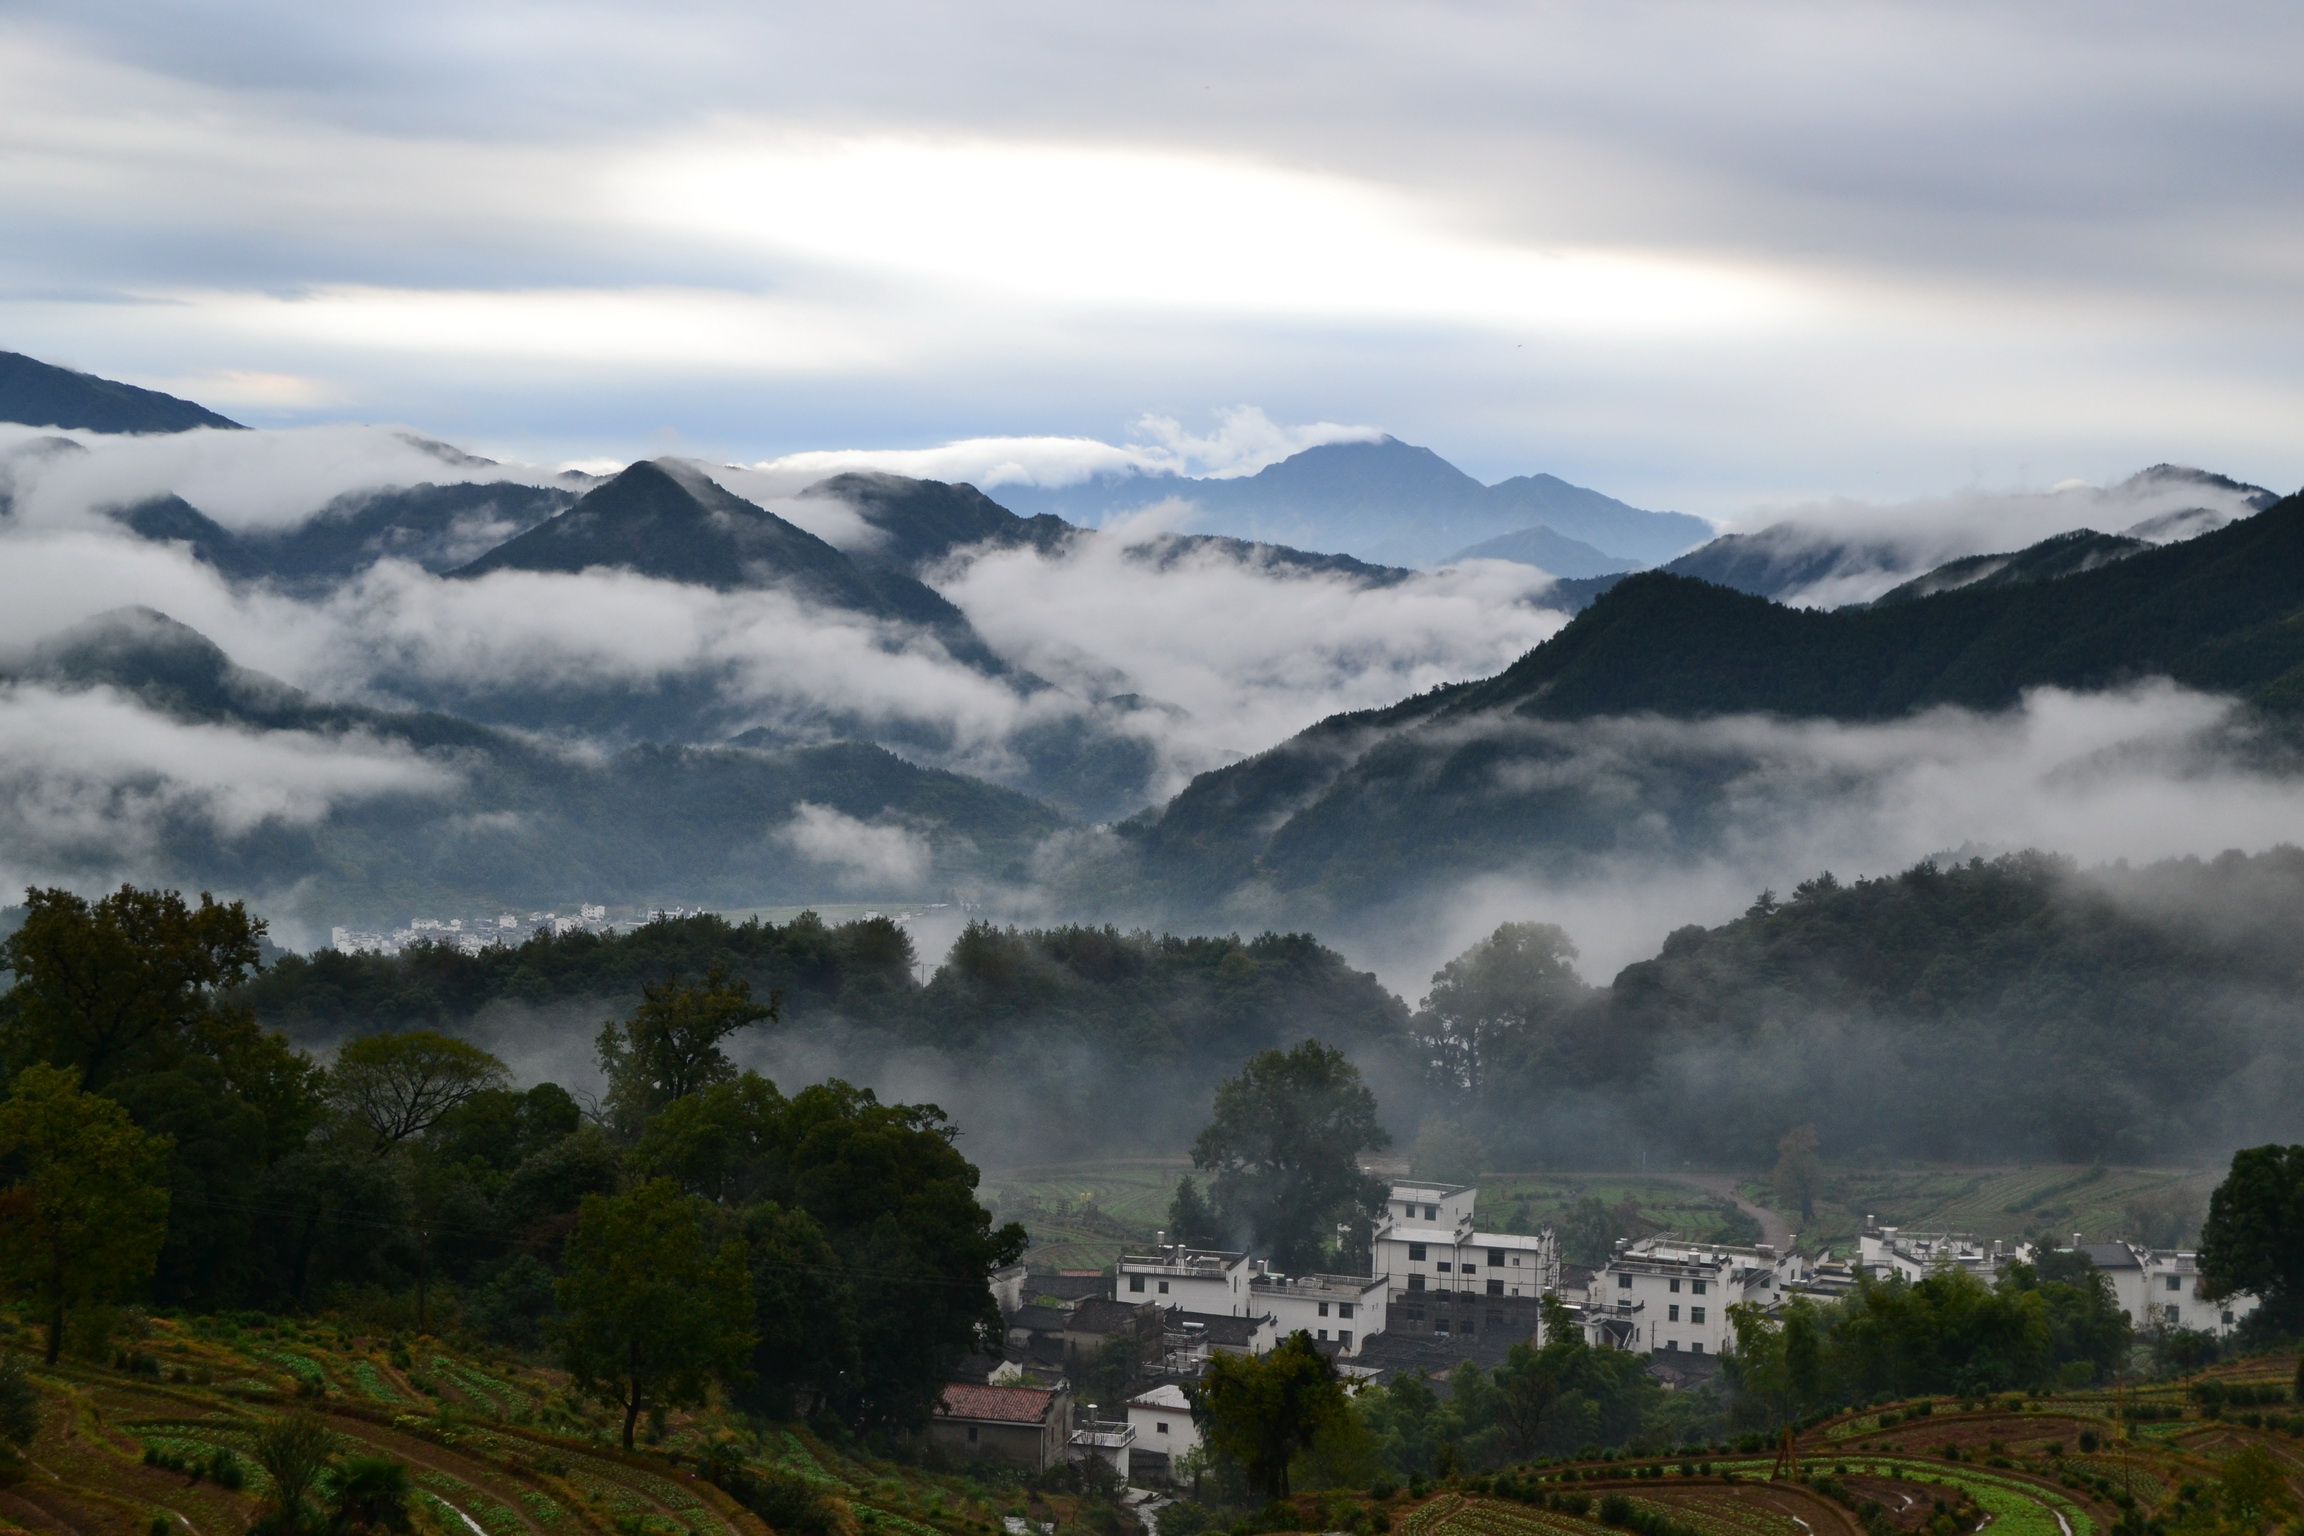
(1230, 1332)
(1039, 1319)
(1069, 1287)
(1433, 1355)
(1098, 1315)
(998, 1405)
(2110, 1255)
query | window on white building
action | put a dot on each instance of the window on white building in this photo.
(1695, 1314)
(1415, 1253)
(1136, 1283)
(1697, 1347)
(1344, 1308)
(1159, 1426)
(1495, 1257)
(1323, 1313)
(1623, 1282)
(1163, 1287)
(1415, 1282)
(1697, 1286)
(1431, 1213)
(1672, 1314)
(2175, 1282)
(1344, 1337)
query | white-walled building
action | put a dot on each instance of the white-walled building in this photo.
(1663, 1294)
(1429, 1241)
(1334, 1309)
(1196, 1279)
(1885, 1252)
(2160, 1288)
(1162, 1419)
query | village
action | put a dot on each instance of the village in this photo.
(1440, 1291)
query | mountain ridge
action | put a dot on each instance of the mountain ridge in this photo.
(1385, 501)
(1360, 808)
(39, 394)
(522, 822)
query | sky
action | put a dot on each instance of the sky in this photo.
(1711, 257)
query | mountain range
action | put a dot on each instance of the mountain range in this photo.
(1384, 501)
(1370, 808)
(670, 787)
(483, 816)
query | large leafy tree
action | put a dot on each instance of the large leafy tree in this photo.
(670, 1047)
(86, 1204)
(1262, 1410)
(1491, 1003)
(1282, 1151)
(112, 986)
(654, 1306)
(2253, 1239)
(133, 990)
(1799, 1176)
(898, 1202)
(400, 1085)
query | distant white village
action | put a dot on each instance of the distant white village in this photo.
(511, 929)
(474, 934)
(1440, 1291)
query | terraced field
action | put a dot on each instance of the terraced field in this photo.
(1992, 1202)
(495, 1448)
(1083, 1215)
(1526, 1202)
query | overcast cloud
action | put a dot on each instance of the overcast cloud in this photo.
(1699, 256)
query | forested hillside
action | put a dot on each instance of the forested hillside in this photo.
(2012, 1008)
(2016, 1008)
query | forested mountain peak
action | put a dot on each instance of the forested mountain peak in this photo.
(667, 519)
(43, 395)
(920, 522)
(170, 666)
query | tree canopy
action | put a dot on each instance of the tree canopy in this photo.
(654, 1308)
(2254, 1236)
(1282, 1152)
(1264, 1410)
(85, 1208)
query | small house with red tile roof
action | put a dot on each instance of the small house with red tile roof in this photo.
(1028, 1427)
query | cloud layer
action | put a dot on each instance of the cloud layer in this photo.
(1701, 258)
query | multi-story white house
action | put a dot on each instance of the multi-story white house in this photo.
(1340, 1309)
(1886, 1252)
(2160, 1288)
(1196, 1279)
(1661, 1293)
(1428, 1241)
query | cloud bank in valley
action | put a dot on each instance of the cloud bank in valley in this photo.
(1701, 816)
(1878, 545)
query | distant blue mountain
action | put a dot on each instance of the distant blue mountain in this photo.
(1555, 552)
(1388, 502)
(43, 395)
